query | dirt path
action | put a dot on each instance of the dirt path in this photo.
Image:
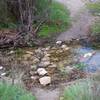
(44, 94)
(81, 20)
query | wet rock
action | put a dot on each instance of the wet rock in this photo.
(44, 64)
(45, 80)
(41, 71)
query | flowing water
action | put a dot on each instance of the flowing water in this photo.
(92, 62)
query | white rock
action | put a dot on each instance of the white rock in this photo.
(67, 48)
(33, 77)
(11, 52)
(45, 80)
(87, 55)
(41, 71)
(3, 74)
(1, 67)
(63, 46)
(59, 42)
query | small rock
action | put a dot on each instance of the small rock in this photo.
(1, 67)
(46, 59)
(67, 48)
(27, 56)
(87, 55)
(63, 46)
(69, 69)
(11, 52)
(44, 64)
(3, 74)
(38, 50)
(47, 48)
(41, 71)
(36, 60)
(45, 80)
(33, 77)
(52, 66)
(59, 42)
(33, 67)
(29, 52)
(47, 55)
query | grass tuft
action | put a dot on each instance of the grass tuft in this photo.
(9, 92)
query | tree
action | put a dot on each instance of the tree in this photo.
(27, 12)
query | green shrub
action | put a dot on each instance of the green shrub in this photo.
(96, 28)
(58, 20)
(94, 7)
(82, 90)
(9, 92)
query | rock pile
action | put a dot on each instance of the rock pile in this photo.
(48, 61)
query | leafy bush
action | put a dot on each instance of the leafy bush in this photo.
(82, 90)
(94, 7)
(58, 20)
(9, 92)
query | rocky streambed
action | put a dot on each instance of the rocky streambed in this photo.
(42, 66)
(44, 70)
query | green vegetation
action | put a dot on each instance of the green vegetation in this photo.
(82, 90)
(58, 20)
(9, 92)
(96, 28)
(94, 8)
(80, 66)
